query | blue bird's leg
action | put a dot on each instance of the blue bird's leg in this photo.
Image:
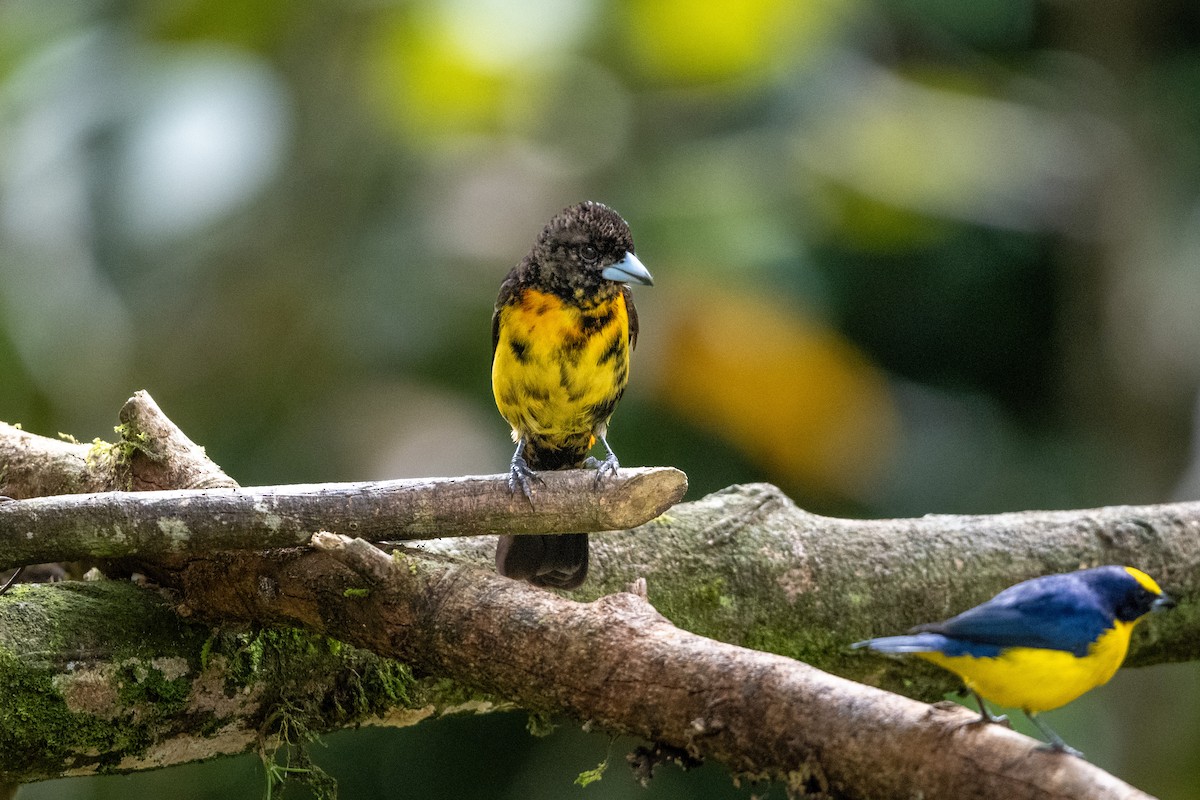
(519, 473)
(608, 466)
(1056, 743)
(985, 715)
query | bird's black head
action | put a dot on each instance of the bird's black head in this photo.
(1129, 592)
(584, 248)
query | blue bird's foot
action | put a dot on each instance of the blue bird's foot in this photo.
(1056, 743)
(1060, 747)
(986, 716)
(990, 719)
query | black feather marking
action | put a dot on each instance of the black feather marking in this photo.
(594, 323)
(519, 348)
(536, 392)
(571, 353)
(603, 410)
(614, 350)
(560, 454)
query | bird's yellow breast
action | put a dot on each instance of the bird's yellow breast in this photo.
(560, 367)
(1036, 679)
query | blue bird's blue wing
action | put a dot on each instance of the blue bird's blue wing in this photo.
(1056, 612)
(929, 643)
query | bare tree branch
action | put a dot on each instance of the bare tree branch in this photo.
(615, 661)
(152, 454)
(212, 514)
(159, 456)
(160, 523)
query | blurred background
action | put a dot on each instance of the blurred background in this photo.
(911, 256)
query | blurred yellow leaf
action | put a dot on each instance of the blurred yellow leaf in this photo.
(428, 84)
(790, 393)
(705, 40)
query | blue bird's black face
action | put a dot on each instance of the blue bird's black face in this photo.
(1131, 592)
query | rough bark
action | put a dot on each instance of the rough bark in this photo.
(104, 676)
(745, 566)
(158, 455)
(153, 524)
(619, 663)
(152, 454)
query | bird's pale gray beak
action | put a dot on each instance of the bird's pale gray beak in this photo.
(1162, 603)
(628, 270)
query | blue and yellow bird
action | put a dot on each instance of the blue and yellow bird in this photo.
(1040, 644)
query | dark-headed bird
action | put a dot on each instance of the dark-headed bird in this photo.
(562, 333)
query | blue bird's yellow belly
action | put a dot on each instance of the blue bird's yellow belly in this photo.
(559, 368)
(1036, 679)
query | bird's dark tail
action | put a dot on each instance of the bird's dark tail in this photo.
(559, 561)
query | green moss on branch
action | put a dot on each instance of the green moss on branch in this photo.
(105, 677)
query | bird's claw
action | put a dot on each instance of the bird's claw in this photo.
(991, 719)
(1059, 747)
(1055, 743)
(988, 718)
(608, 466)
(521, 477)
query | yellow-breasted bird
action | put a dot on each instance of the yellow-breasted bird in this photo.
(562, 332)
(1039, 644)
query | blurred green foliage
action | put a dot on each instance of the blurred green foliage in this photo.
(911, 256)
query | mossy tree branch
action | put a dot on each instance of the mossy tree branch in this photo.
(619, 662)
(747, 566)
(105, 677)
(743, 566)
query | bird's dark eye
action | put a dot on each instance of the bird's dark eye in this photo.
(589, 253)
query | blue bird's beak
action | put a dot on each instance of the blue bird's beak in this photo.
(1162, 603)
(628, 270)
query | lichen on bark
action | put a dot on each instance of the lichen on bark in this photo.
(104, 677)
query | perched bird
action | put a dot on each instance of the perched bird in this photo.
(562, 332)
(1039, 644)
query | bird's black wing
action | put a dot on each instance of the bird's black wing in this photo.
(630, 310)
(507, 289)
